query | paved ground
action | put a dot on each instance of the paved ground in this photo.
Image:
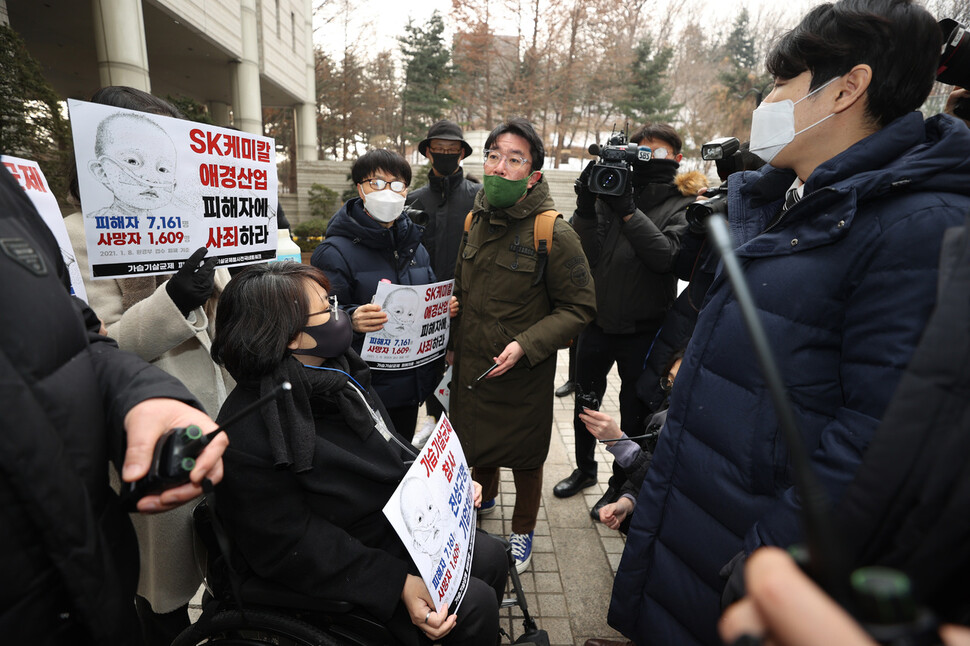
(569, 582)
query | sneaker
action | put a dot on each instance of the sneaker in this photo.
(488, 506)
(424, 434)
(521, 550)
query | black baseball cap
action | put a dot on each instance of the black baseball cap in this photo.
(445, 129)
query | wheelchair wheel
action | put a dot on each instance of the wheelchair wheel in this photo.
(229, 628)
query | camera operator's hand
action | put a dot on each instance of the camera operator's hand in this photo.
(958, 97)
(623, 204)
(192, 285)
(585, 198)
(784, 607)
(149, 420)
(613, 514)
(601, 425)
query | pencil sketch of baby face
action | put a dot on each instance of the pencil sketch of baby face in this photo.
(421, 517)
(401, 307)
(135, 161)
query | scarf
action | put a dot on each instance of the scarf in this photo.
(291, 425)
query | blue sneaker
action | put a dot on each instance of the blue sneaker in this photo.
(521, 550)
(488, 506)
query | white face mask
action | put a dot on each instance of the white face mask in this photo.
(384, 206)
(773, 125)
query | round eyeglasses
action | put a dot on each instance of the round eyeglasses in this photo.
(512, 162)
(379, 184)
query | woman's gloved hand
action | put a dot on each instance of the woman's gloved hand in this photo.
(192, 285)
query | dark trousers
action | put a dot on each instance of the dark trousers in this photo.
(572, 360)
(161, 629)
(432, 405)
(596, 353)
(404, 418)
(478, 619)
(528, 494)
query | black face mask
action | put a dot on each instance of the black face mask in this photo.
(445, 164)
(655, 171)
(333, 337)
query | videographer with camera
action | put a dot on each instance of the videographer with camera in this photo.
(629, 216)
(839, 236)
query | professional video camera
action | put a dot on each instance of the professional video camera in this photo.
(955, 61)
(610, 175)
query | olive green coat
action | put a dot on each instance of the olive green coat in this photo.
(506, 421)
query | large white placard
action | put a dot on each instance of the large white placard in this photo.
(417, 326)
(154, 189)
(32, 180)
(433, 512)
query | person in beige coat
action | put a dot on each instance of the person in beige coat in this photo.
(169, 322)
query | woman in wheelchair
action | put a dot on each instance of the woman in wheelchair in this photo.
(306, 477)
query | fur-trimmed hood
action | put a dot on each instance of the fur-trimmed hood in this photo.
(691, 183)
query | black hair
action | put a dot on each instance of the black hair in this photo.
(121, 96)
(380, 159)
(662, 132)
(674, 358)
(898, 39)
(261, 311)
(521, 127)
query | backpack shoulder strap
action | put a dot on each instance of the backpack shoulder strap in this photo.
(543, 225)
(468, 225)
(545, 222)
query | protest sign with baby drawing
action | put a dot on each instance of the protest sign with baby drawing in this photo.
(417, 328)
(433, 512)
(154, 189)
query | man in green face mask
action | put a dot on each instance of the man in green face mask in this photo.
(518, 307)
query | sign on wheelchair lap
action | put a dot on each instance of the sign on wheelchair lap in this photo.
(433, 512)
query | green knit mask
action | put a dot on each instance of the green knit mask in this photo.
(502, 192)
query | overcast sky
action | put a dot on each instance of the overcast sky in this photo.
(388, 17)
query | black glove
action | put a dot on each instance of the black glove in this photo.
(622, 205)
(192, 285)
(585, 198)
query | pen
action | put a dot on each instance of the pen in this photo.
(486, 373)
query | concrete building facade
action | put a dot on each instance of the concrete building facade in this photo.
(235, 56)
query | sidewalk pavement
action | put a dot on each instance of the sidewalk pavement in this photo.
(569, 582)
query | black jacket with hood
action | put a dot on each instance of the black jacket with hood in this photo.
(68, 556)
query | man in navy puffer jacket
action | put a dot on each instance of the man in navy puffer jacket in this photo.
(844, 275)
(364, 248)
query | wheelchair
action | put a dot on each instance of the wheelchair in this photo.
(247, 611)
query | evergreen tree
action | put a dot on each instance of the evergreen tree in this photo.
(739, 78)
(31, 125)
(739, 56)
(647, 98)
(427, 68)
(192, 109)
